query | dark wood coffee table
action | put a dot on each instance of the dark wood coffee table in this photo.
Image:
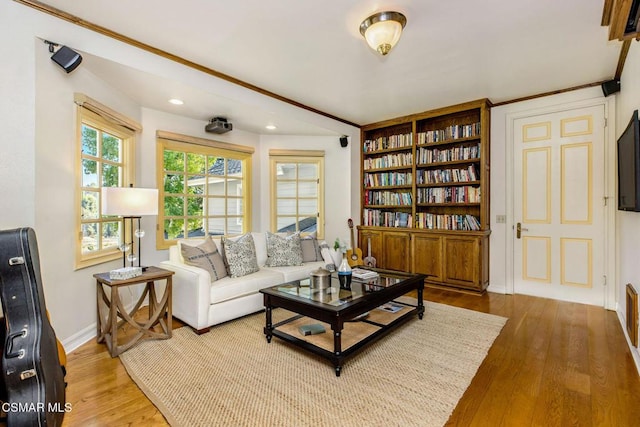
(337, 307)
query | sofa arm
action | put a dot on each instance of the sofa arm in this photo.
(191, 294)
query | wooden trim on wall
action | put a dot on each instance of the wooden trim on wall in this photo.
(553, 92)
(171, 136)
(58, 13)
(632, 314)
(102, 110)
(624, 50)
(606, 13)
(296, 153)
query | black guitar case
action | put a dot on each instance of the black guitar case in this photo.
(31, 370)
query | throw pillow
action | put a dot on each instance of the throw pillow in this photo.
(310, 248)
(326, 256)
(283, 251)
(240, 255)
(205, 256)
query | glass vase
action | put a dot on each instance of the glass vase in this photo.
(344, 273)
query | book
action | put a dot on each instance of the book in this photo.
(391, 307)
(312, 329)
(362, 274)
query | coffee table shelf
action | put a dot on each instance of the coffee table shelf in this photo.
(336, 307)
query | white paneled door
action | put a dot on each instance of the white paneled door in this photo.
(559, 205)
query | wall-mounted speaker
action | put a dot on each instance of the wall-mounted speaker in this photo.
(67, 58)
(344, 141)
(612, 86)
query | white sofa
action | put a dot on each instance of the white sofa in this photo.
(201, 303)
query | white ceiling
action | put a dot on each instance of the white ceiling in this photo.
(312, 52)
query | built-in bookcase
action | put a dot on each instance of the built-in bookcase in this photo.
(388, 169)
(449, 172)
(426, 179)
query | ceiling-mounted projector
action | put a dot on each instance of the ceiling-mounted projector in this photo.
(218, 125)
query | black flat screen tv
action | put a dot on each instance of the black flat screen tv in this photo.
(629, 166)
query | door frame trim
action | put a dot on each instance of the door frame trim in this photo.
(610, 267)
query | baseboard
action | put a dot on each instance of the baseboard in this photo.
(86, 334)
(497, 289)
(76, 340)
(635, 353)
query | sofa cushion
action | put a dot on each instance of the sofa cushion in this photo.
(283, 250)
(326, 255)
(236, 287)
(296, 272)
(205, 256)
(240, 255)
(260, 242)
(310, 248)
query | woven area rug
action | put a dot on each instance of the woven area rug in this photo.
(231, 376)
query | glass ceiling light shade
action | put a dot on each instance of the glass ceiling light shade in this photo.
(382, 30)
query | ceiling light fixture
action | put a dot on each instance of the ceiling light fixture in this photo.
(176, 101)
(382, 30)
(271, 127)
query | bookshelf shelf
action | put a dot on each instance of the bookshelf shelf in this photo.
(442, 226)
(386, 187)
(388, 150)
(448, 142)
(447, 204)
(450, 184)
(450, 163)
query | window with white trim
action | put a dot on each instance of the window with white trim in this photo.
(297, 191)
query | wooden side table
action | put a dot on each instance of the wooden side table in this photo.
(112, 313)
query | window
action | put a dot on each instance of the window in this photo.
(204, 188)
(105, 160)
(297, 191)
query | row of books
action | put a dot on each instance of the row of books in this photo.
(450, 132)
(465, 152)
(373, 197)
(388, 161)
(387, 142)
(438, 176)
(464, 194)
(380, 218)
(387, 179)
(447, 222)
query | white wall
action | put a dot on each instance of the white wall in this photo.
(17, 109)
(628, 223)
(37, 150)
(55, 179)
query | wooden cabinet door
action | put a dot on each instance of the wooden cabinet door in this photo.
(375, 238)
(462, 261)
(427, 255)
(396, 250)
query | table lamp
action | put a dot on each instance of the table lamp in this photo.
(130, 203)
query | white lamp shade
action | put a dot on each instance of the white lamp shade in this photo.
(383, 33)
(129, 201)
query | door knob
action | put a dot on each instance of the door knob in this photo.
(519, 230)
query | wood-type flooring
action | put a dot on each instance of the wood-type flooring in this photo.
(553, 364)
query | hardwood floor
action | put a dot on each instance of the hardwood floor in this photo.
(553, 364)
